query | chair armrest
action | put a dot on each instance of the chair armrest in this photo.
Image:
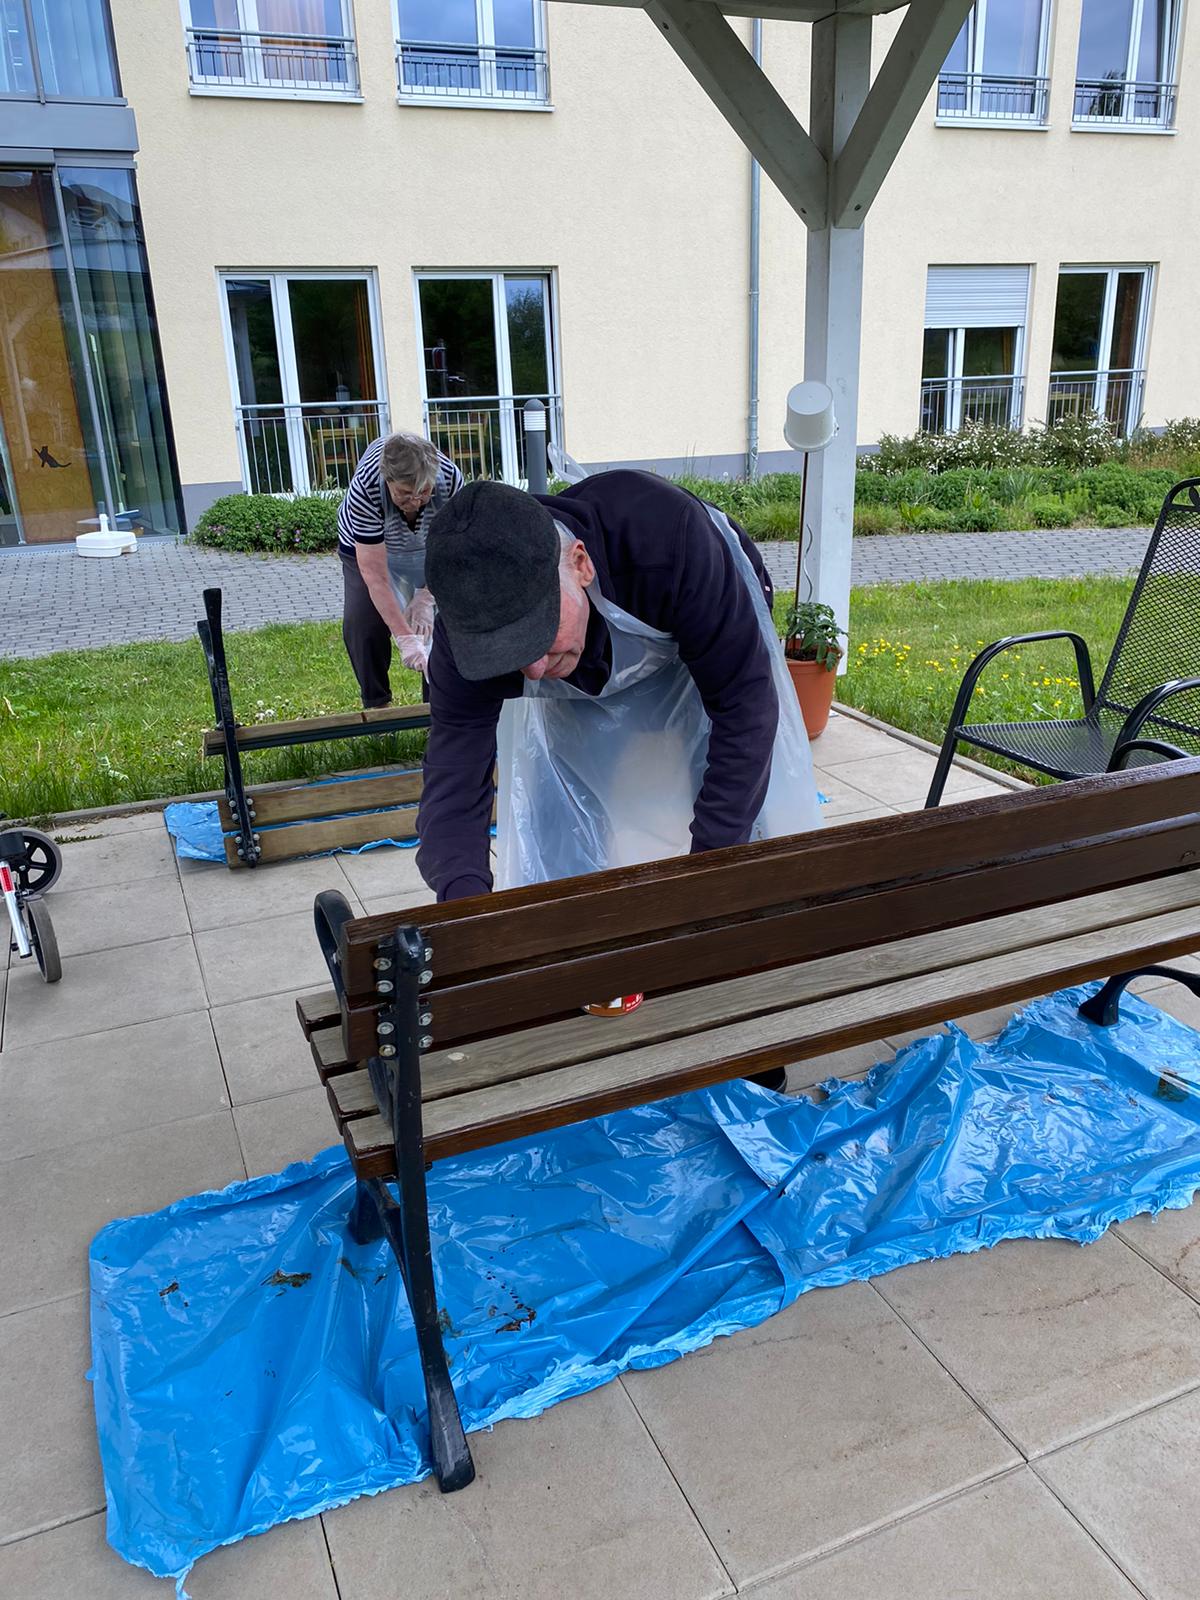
(1121, 752)
(1149, 704)
(331, 912)
(1083, 662)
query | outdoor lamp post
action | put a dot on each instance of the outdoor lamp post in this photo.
(810, 425)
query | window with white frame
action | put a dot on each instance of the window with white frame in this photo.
(974, 355)
(306, 367)
(273, 47)
(488, 346)
(1098, 362)
(1125, 75)
(470, 52)
(996, 69)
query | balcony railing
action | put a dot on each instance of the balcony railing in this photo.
(292, 449)
(1105, 101)
(299, 62)
(485, 435)
(948, 403)
(1115, 395)
(984, 97)
(483, 72)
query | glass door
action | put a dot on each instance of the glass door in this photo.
(487, 348)
(1096, 363)
(304, 359)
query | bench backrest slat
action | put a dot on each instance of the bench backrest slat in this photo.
(663, 898)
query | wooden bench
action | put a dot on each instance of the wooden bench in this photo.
(449, 1028)
(345, 812)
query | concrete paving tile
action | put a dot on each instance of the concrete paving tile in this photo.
(846, 818)
(575, 1503)
(218, 898)
(899, 774)
(1171, 1241)
(49, 1467)
(955, 796)
(76, 1559)
(1177, 1001)
(262, 1049)
(824, 1422)
(390, 870)
(53, 1204)
(1136, 1490)
(397, 902)
(841, 798)
(114, 858)
(849, 1063)
(253, 959)
(101, 1084)
(105, 827)
(117, 915)
(285, 1128)
(847, 739)
(1053, 1340)
(1007, 1540)
(104, 989)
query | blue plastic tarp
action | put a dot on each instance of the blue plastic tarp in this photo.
(253, 1365)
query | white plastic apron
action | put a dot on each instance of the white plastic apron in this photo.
(594, 781)
(406, 568)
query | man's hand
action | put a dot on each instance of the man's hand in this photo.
(414, 652)
(419, 614)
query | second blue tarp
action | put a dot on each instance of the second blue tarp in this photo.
(253, 1365)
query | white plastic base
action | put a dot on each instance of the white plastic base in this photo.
(109, 542)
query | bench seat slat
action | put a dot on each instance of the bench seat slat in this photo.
(482, 1117)
(306, 838)
(327, 1052)
(318, 1010)
(314, 800)
(305, 730)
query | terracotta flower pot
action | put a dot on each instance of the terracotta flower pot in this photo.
(814, 685)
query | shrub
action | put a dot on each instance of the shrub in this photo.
(276, 524)
(1079, 440)
(777, 519)
(1049, 511)
(876, 518)
(1138, 493)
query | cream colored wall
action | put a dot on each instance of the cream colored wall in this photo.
(637, 195)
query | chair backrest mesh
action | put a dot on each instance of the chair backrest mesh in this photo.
(1159, 638)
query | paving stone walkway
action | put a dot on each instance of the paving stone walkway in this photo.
(52, 600)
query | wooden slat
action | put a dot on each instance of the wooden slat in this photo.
(558, 1044)
(543, 992)
(340, 725)
(545, 919)
(327, 1052)
(313, 800)
(351, 1096)
(318, 1010)
(308, 838)
(534, 1104)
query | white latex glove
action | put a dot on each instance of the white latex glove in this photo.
(419, 614)
(414, 652)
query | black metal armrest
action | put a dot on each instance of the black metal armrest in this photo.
(1121, 753)
(331, 912)
(1149, 704)
(1083, 662)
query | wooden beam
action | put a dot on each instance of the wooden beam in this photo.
(748, 100)
(897, 95)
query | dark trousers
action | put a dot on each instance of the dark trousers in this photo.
(366, 636)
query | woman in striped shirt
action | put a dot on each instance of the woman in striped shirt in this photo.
(397, 488)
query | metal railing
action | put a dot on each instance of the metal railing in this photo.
(947, 403)
(484, 434)
(1120, 100)
(486, 72)
(292, 449)
(228, 59)
(1115, 395)
(985, 97)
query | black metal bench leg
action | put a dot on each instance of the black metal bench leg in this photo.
(212, 640)
(366, 1224)
(1105, 1005)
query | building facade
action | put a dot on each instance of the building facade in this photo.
(359, 214)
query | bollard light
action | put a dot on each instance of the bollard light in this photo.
(810, 425)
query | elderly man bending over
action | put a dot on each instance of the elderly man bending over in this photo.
(397, 488)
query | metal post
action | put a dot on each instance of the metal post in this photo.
(535, 446)
(841, 76)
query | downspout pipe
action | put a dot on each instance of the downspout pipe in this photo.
(756, 47)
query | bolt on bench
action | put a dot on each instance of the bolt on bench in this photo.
(345, 812)
(450, 1028)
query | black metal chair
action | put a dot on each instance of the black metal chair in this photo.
(1148, 705)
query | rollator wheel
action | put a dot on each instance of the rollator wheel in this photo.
(41, 937)
(42, 864)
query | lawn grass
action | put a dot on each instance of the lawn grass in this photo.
(101, 727)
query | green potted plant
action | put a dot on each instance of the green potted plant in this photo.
(810, 644)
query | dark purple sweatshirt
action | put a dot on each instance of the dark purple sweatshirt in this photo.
(658, 556)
